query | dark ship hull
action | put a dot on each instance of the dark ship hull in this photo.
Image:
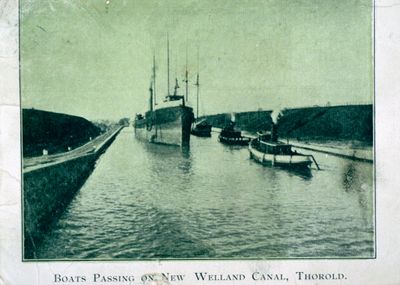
(170, 125)
(234, 140)
(201, 129)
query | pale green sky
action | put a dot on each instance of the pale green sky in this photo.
(87, 58)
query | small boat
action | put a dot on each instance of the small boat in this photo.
(267, 150)
(229, 135)
(201, 129)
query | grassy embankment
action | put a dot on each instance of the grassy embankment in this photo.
(337, 123)
(54, 132)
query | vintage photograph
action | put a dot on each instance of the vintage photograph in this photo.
(197, 130)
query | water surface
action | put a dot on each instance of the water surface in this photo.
(151, 201)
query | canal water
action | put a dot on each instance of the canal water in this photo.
(147, 201)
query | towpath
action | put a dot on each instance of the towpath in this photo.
(347, 151)
(91, 147)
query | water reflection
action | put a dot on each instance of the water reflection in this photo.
(356, 181)
(232, 148)
(170, 166)
(304, 173)
(349, 177)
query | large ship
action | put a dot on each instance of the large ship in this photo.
(168, 122)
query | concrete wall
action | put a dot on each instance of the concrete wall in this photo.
(48, 190)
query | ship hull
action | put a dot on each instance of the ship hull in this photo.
(201, 133)
(201, 130)
(170, 126)
(233, 140)
(295, 161)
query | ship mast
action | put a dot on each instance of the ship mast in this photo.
(168, 63)
(154, 81)
(176, 87)
(186, 77)
(175, 95)
(197, 85)
(151, 96)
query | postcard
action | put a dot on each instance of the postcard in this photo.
(198, 142)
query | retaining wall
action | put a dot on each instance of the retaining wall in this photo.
(48, 190)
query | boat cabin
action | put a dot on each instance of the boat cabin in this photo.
(230, 132)
(264, 144)
(274, 148)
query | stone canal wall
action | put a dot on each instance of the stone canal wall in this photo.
(48, 190)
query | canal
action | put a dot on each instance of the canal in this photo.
(147, 201)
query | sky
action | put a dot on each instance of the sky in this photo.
(93, 58)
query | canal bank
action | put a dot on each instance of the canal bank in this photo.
(361, 154)
(50, 183)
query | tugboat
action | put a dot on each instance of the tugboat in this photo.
(170, 122)
(229, 135)
(267, 150)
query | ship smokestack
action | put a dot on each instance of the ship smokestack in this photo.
(274, 132)
(275, 116)
(233, 117)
